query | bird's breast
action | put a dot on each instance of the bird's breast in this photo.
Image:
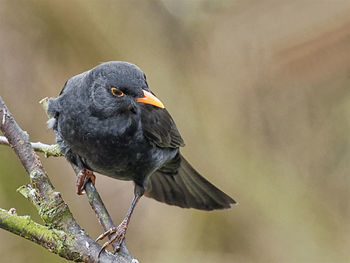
(113, 147)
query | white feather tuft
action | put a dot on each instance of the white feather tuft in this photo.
(50, 123)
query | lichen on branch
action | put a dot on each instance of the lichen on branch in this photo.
(54, 240)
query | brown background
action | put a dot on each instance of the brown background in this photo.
(260, 91)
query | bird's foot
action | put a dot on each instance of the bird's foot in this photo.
(119, 236)
(83, 177)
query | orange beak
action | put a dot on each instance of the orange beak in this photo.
(149, 98)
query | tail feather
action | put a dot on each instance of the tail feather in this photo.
(185, 187)
(213, 193)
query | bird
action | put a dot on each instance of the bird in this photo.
(107, 120)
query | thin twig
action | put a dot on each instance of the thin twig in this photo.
(101, 212)
(48, 150)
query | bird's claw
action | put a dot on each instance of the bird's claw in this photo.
(83, 177)
(118, 238)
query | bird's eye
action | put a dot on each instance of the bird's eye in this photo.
(117, 92)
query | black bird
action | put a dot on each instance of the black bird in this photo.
(107, 120)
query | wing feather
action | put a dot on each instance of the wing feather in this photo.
(159, 128)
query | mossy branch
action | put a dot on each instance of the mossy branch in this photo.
(54, 240)
(61, 233)
(94, 197)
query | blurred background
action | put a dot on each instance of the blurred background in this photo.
(260, 91)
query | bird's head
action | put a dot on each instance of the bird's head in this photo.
(117, 87)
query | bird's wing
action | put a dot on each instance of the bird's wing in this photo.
(159, 128)
(178, 183)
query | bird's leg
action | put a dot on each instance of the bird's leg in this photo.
(84, 176)
(121, 229)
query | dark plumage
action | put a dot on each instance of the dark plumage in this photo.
(103, 122)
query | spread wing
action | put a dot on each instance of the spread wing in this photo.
(159, 128)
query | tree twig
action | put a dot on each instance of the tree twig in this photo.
(48, 150)
(51, 207)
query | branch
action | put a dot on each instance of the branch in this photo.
(48, 150)
(94, 197)
(75, 244)
(102, 214)
(54, 240)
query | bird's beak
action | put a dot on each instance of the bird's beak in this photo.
(149, 98)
